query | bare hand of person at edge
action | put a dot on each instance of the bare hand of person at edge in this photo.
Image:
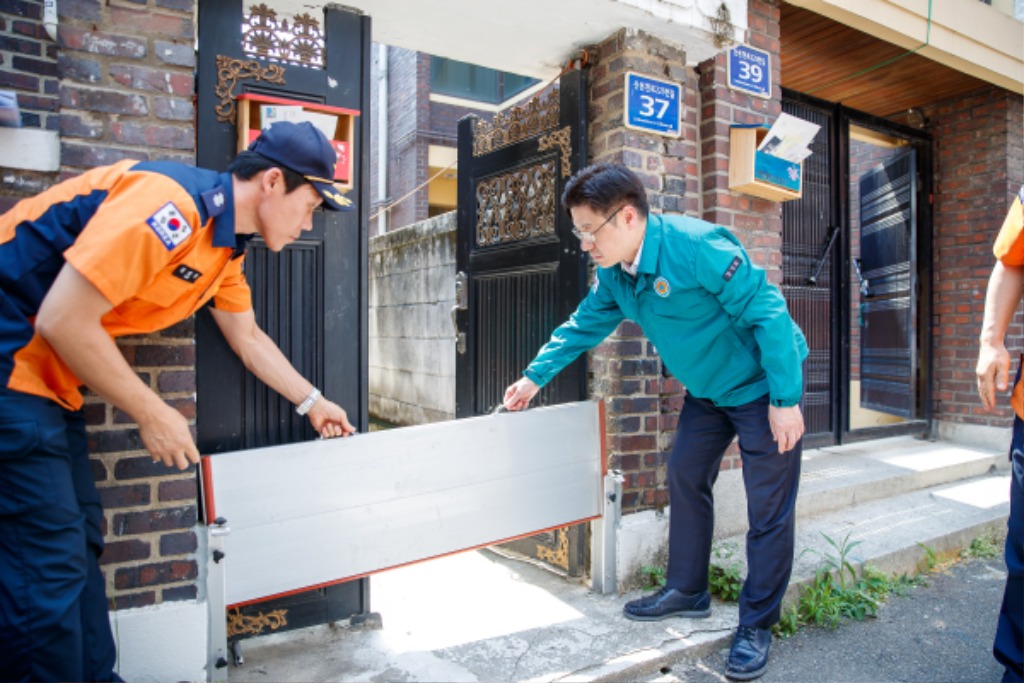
(787, 426)
(329, 419)
(993, 373)
(518, 395)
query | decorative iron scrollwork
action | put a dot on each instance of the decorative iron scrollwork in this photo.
(240, 624)
(559, 554)
(265, 37)
(563, 140)
(230, 71)
(518, 123)
(516, 206)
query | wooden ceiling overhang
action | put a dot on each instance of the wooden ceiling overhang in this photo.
(837, 63)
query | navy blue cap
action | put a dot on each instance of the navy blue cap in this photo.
(302, 148)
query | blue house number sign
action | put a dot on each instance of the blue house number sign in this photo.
(653, 106)
(750, 70)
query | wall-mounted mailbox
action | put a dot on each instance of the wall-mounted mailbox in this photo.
(758, 173)
(256, 111)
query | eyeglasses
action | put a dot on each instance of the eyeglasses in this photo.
(591, 237)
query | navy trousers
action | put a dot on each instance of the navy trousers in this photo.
(54, 624)
(771, 480)
(1009, 643)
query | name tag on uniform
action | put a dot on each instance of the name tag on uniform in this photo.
(170, 226)
(187, 274)
(731, 270)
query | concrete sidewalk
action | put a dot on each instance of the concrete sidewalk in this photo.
(480, 616)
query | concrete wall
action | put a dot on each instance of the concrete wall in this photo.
(412, 342)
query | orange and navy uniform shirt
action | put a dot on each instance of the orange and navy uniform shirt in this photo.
(1009, 249)
(157, 239)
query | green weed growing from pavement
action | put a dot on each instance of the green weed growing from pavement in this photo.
(986, 546)
(838, 591)
(652, 577)
(724, 575)
(927, 564)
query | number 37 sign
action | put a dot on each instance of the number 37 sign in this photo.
(652, 105)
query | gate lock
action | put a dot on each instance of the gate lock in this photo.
(461, 304)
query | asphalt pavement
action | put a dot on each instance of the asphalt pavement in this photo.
(940, 632)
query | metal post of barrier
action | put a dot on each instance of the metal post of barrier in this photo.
(603, 542)
(216, 587)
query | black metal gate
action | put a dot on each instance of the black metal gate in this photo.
(888, 272)
(521, 271)
(811, 248)
(312, 297)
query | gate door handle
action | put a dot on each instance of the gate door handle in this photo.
(461, 304)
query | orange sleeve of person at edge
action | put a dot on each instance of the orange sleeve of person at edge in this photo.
(1009, 248)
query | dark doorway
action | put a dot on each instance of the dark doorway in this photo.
(823, 274)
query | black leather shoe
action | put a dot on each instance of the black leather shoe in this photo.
(668, 602)
(748, 656)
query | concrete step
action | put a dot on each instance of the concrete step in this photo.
(838, 477)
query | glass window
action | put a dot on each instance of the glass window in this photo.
(473, 82)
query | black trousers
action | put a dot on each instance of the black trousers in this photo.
(54, 624)
(771, 480)
(1008, 647)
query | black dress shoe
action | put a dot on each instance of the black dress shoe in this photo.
(748, 656)
(669, 602)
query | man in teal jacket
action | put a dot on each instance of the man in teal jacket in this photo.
(726, 334)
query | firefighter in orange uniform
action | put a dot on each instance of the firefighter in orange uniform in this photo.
(1005, 288)
(124, 249)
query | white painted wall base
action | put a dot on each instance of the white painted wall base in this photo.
(29, 149)
(643, 536)
(166, 642)
(642, 541)
(975, 436)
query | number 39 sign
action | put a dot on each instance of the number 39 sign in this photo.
(750, 70)
(652, 105)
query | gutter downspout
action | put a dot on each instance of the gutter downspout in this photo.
(50, 18)
(382, 135)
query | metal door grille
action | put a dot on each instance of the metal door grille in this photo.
(291, 314)
(516, 313)
(810, 246)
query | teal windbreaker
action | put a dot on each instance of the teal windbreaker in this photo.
(720, 327)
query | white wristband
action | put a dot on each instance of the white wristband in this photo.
(309, 401)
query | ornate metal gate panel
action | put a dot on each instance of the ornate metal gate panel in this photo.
(521, 271)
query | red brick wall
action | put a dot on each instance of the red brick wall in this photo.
(119, 84)
(686, 175)
(414, 124)
(756, 222)
(979, 165)
(408, 115)
(643, 406)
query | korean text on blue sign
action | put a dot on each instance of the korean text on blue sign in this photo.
(653, 105)
(750, 70)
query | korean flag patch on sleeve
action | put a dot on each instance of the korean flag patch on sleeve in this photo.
(170, 226)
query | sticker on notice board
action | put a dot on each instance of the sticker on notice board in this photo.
(653, 105)
(750, 70)
(341, 167)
